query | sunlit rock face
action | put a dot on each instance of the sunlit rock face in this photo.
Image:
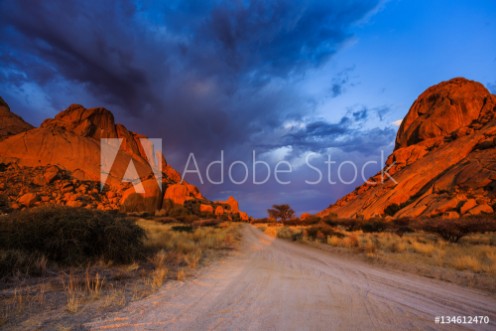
(444, 161)
(60, 163)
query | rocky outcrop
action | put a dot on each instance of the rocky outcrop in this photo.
(10, 123)
(35, 186)
(444, 162)
(181, 192)
(443, 109)
(232, 206)
(60, 163)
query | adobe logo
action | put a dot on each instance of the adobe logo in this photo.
(109, 149)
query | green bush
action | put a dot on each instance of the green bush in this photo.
(72, 236)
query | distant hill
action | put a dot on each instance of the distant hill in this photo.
(444, 161)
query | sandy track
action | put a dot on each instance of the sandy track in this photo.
(271, 284)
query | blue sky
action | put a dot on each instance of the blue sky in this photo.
(283, 78)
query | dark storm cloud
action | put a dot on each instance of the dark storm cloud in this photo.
(346, 135)
(127, 54)
(78, 43)
(203, 75)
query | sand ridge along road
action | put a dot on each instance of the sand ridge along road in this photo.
(272, 284)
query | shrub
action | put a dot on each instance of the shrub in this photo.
(392, 209)
(207, 222)
(454, 230)
(17, 261)
(192, 206)
(72, 236)
(285, 233)
(137, 203)
(165, 220)
(181, 213)
(260, 221)
(401, 226)
(310, 220)
(321, 231)
(373, 226)
(347, 224)
(182, 228)
(4, 204)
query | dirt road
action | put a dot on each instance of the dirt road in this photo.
(271, 284)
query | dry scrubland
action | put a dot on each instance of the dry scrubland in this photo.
(460, 251)
(60, 267)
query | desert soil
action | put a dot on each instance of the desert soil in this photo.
(272, 284)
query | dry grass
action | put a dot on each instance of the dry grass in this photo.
(424, 249)
(334, 241)
(93, 284)
(72, 293)
(76, 294)
(467, 262)
(271, 231)
(114, 298)
(160, 272)
(350, 241)
(181, 275)
(475, 253)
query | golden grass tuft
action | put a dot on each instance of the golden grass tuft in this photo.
(158, 277)
(334, 241)
(467, 262)
(181, 275)
(423, 248)
(72, 294)
(350, 241)
(271, 231)
(93, 285)
(115, 297)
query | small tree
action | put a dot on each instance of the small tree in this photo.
(281, 212)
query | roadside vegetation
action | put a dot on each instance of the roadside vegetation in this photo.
(461, 250)
(60, 266)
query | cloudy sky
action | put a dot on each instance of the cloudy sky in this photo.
(294, 81)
